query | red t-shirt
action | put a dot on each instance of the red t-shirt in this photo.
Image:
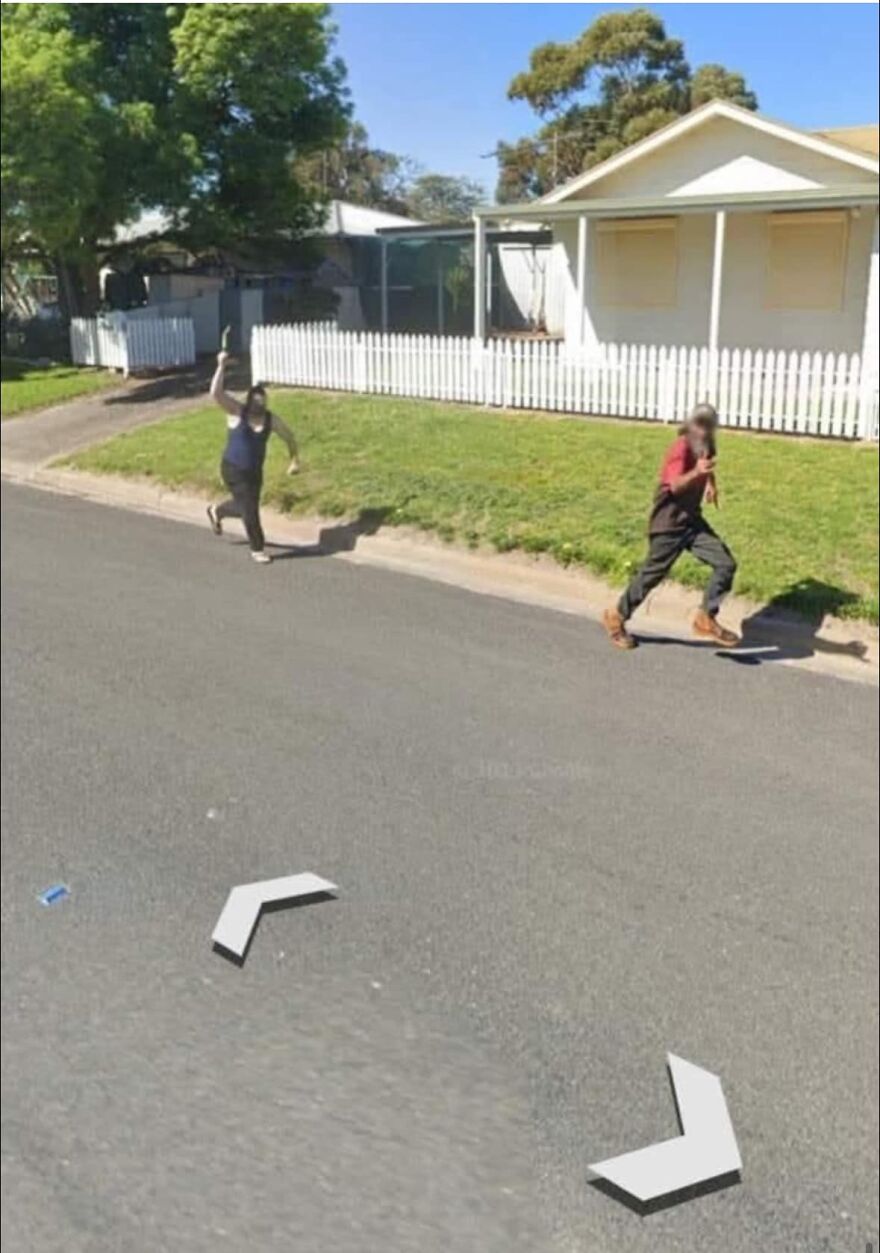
(677, 513)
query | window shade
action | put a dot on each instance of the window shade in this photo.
(637, 262)
(806, 260)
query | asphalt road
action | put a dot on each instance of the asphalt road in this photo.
(556, 863)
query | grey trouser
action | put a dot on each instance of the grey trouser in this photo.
(664, 551)
(245, 486)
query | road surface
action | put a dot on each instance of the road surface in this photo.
(556, 863)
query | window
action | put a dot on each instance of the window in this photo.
(637, 262)
(806, 260)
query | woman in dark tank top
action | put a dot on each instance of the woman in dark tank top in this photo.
(248, 427)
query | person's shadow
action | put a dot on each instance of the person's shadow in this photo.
(339, 538)
(785, 629)
(801, 606)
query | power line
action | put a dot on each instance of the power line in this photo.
(553, 143)
(545, 143)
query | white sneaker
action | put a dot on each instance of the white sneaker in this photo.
(262, 559)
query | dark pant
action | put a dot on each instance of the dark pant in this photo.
(245, 486)
(663, 553)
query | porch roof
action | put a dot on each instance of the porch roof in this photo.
(655, 206)
(453, 231)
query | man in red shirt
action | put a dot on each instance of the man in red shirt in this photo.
(677, 525)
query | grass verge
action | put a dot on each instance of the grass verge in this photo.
(801, 516)
(25, 387)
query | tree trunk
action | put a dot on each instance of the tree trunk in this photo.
(68, 295)
(90, 285)
(78, 286)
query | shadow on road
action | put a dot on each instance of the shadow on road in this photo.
(341, 538)
(785, 629)
(812, 600)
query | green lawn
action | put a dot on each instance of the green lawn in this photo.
(801, 516)
(25, 386)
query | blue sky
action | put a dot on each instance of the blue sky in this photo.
(429, 81)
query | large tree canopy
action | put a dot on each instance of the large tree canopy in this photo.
(621, 79)
(355, 170)
(258, 86)
(443, 198)
(197, 109)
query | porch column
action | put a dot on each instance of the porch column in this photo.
(384, 283)
(479, 278)
(870, 346)
(489, 279)
(717, 275)
(440, 311)
(581, 278)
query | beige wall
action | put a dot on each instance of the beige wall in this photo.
(724, 156)
(746, 322)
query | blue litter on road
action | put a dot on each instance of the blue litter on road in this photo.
(51, 896)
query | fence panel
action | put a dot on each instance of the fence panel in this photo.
(800, 392)
(122, 343)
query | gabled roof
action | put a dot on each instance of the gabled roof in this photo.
(860, 138)
(837, 150)
(344, 218)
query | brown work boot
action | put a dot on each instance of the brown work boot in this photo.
(614, 624)
(709, 627)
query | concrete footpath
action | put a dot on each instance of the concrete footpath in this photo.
(29, 444)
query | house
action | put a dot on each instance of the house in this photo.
(722, 230)
(328, 273)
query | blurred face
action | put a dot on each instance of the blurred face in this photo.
(701, 431)
(256, 406)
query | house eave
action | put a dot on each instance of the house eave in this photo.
(698, 117)
(655, 206)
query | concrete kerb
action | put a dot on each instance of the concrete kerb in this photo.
(846, 649)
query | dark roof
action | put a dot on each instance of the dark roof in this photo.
(465, 230)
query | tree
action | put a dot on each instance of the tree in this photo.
(443, 198)
(258, 87)
(65, 180)
(620, 80)
(353, 170)
(714, 82)
(356, 171)
(195, 109)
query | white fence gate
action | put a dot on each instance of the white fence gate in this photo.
(123, 343)
(203, 311)
(798, 392)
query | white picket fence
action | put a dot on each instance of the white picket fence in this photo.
(799, 392)
(123, 343)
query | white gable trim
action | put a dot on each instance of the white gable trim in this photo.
(744, 174)
(706, 112)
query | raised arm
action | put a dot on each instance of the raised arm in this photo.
(218, 391)
(283, 431)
